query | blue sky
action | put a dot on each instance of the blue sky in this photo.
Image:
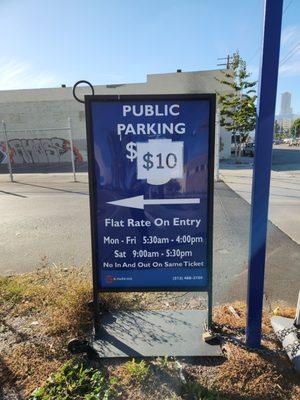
(45, 43)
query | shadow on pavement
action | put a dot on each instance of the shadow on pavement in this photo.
(51, 188)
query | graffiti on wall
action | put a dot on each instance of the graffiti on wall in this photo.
(39, 151)
(3, 157)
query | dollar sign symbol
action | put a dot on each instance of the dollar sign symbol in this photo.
(149, 163)
(131, 148)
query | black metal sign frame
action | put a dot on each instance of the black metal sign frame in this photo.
(89, 99)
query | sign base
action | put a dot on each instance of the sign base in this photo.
(154, 334)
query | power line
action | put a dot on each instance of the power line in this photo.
(257, 50)
(295, 49)
(254, 55)
(284, 11)
(290, 51)
(290, 54)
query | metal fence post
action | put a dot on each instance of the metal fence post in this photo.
(262, 168)
(217, 141)
(71, 148)
(7, 151)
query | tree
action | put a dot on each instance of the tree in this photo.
(276, 127)
(278, 131)
(237, 108)
(295, 129)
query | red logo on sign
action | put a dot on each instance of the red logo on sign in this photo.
(109, 279)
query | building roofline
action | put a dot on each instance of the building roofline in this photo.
(65, 93)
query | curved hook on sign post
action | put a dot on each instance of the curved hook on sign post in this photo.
(79, 83)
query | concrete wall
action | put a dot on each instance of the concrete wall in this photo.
(42, 147)
(23, 110)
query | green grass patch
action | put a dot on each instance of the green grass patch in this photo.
(12, 290)
(76, 382)
(138, 371)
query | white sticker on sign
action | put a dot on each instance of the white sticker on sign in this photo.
(159, 160)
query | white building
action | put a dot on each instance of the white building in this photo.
(286, 117)
(286, 100)
(27, 111)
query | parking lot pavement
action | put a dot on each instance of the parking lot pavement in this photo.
(43, 215)
(284, 206)
(231, 240)
(47, 216)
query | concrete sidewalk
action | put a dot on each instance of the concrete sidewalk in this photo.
(284, 207)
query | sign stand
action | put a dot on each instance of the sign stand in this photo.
(154, 334)
(151, 173)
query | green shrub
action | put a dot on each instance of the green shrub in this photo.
(76, 382)
(164, 361)
(138, 371)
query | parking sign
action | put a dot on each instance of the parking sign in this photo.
(151, 183)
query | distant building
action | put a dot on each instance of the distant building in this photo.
(286, 117)
(285, 124)
(34, 117)
(286, 100)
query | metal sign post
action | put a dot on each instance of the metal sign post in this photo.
(262, 168)
(151, 173)
(217, 145)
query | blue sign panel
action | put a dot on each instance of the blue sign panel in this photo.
(151, 174)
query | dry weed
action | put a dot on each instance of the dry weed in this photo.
(56, 301)
(29, 365)
(255, 376)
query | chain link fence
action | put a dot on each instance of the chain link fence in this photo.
(40, 150)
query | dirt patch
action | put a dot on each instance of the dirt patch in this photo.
(41, 311)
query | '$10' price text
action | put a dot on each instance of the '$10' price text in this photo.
(159, 160)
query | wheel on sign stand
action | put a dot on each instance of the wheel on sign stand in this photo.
(78, 346)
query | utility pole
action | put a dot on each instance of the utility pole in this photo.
(227, 64)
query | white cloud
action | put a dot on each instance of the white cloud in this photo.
(16, 74)
(290, 51)
(290, 68)
(290, 35)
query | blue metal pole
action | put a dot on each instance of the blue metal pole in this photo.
(262, 168)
